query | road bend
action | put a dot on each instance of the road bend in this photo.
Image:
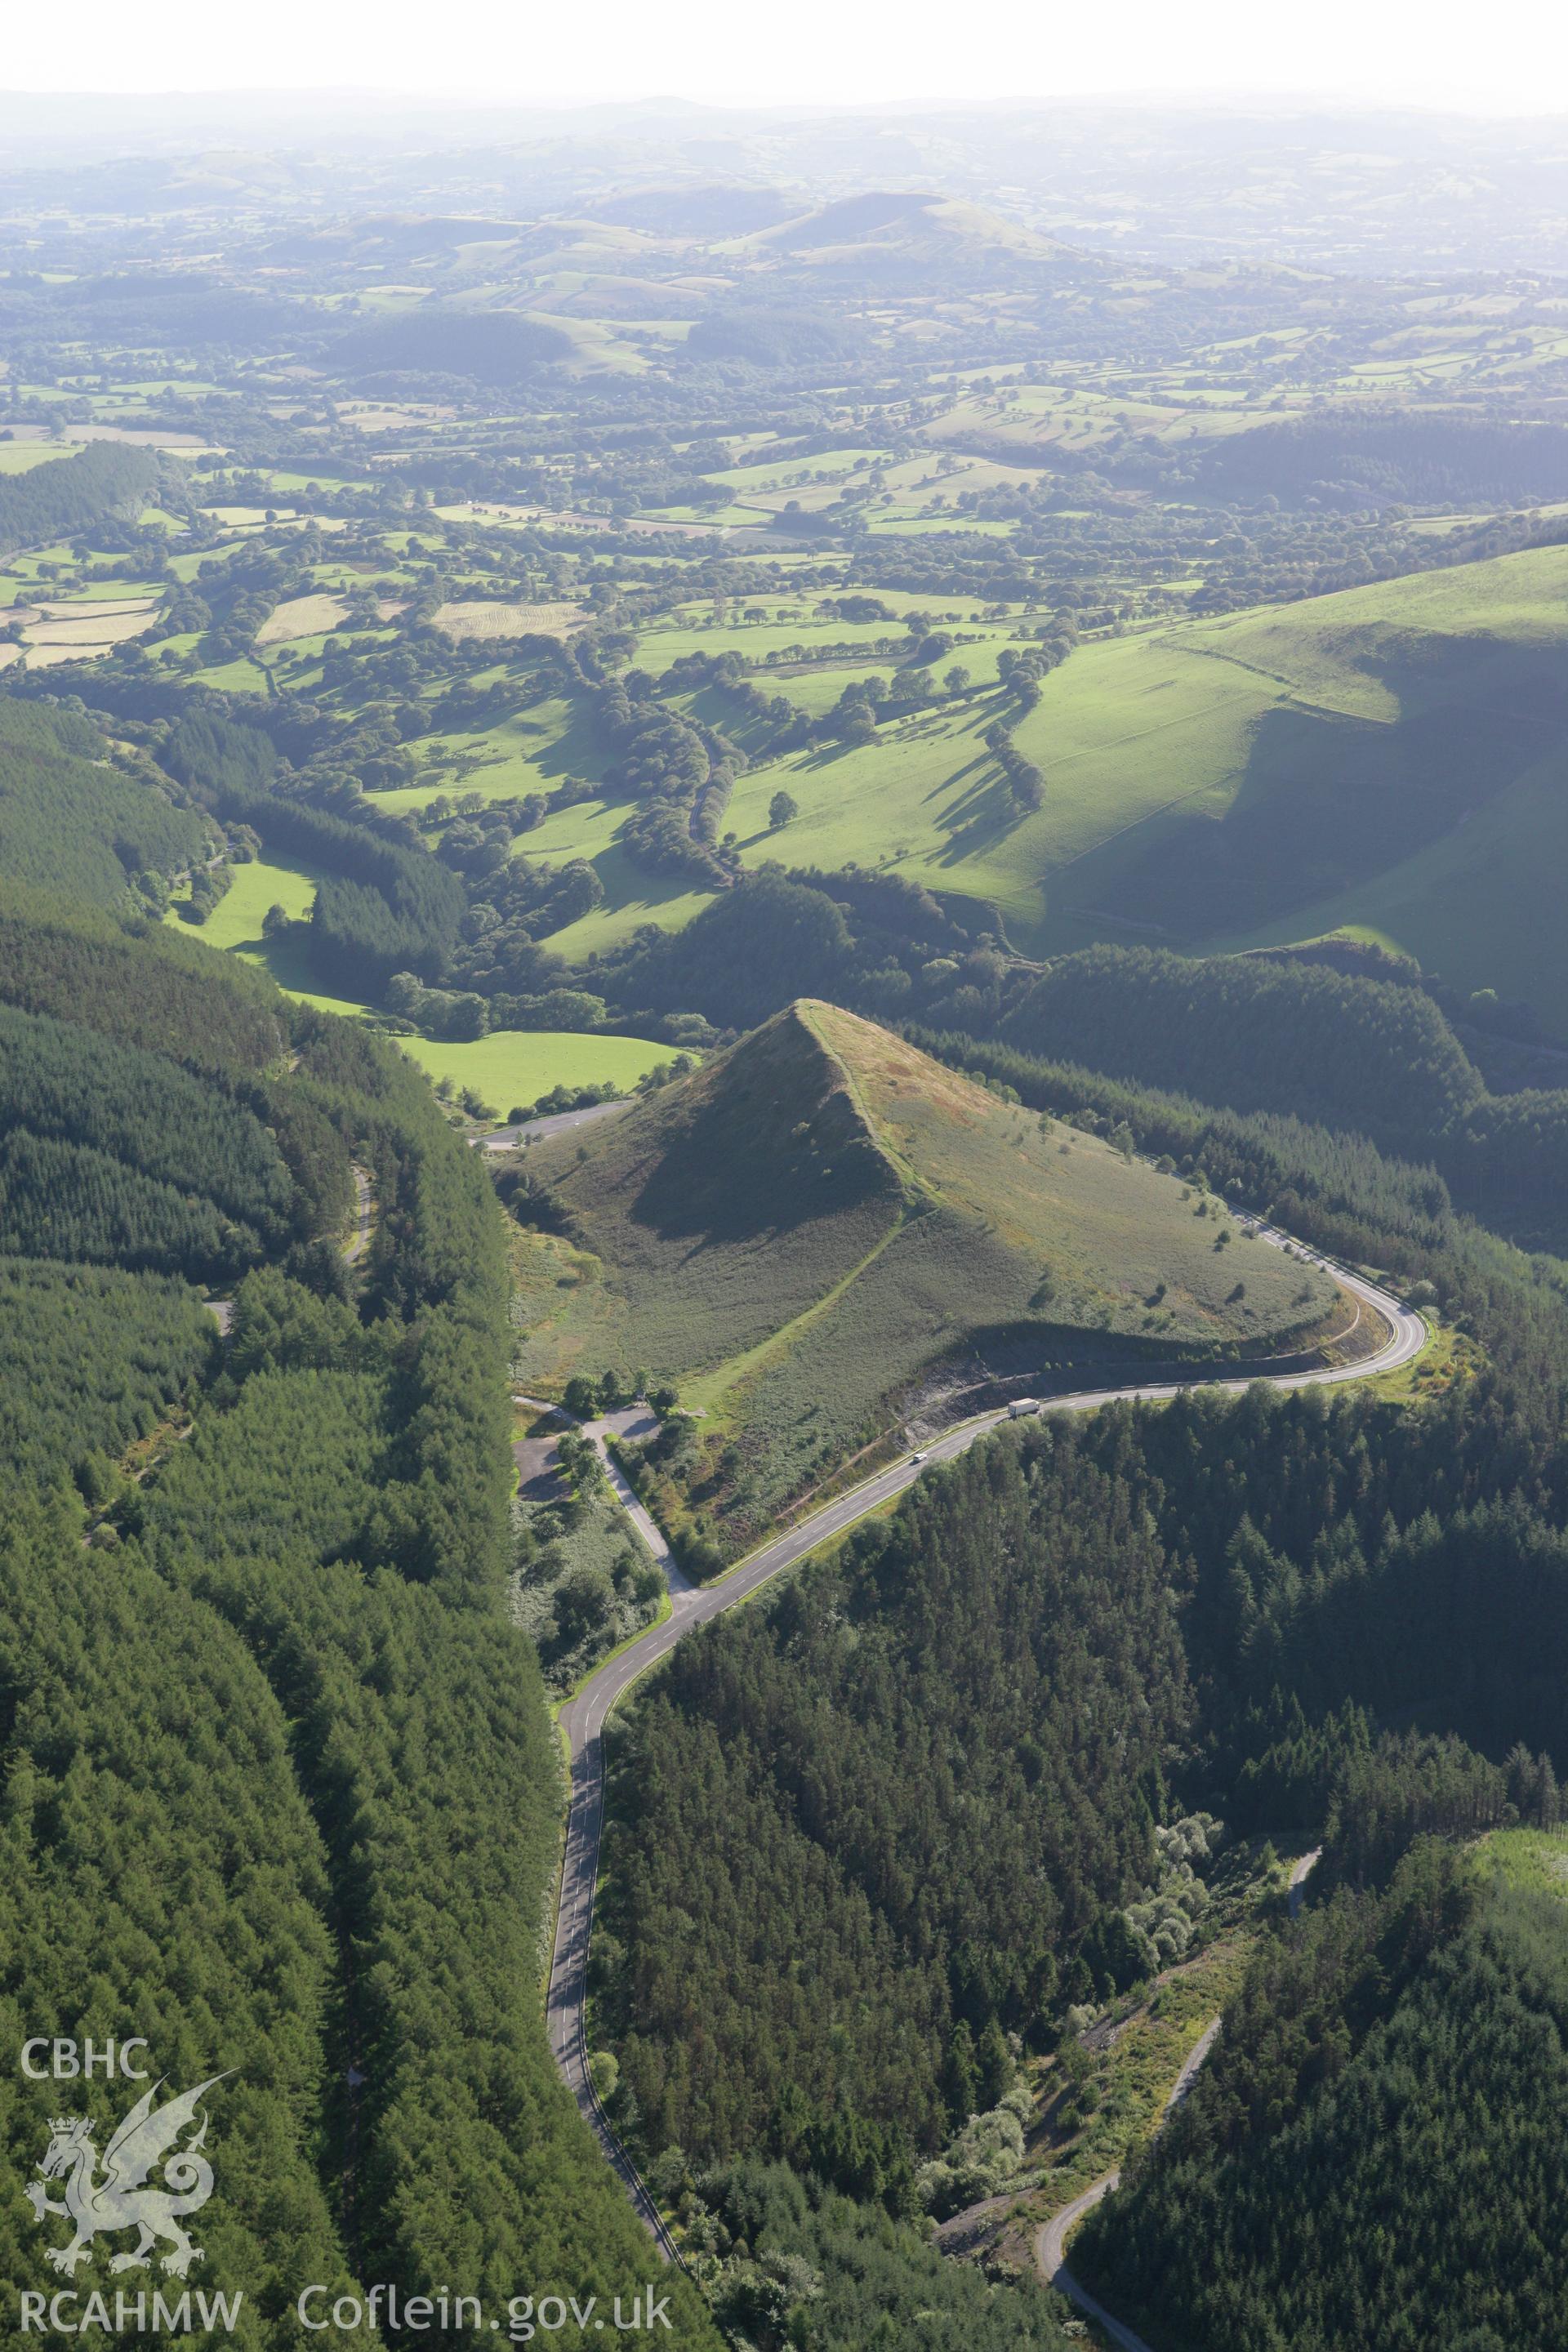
(584, 1716)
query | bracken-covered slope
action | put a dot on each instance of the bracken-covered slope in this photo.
(799, 1231)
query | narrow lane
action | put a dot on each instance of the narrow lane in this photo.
(1050, 2242)
(354, 1249)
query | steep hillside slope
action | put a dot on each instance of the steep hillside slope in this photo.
(824, 1214)
(1408, 774)
(1288, 1034)
(1395, 757)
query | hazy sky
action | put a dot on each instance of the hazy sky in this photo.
(1511, 55)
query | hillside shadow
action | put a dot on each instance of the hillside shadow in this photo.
(574, 751)
(287, 959)
(719, 711)
(775, 1144)
(1326, 800)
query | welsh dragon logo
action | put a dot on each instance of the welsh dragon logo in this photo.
(119, 2198)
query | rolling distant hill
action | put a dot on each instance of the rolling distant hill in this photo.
(902, 241)
(1398, 763)
(799, 1232)
(914, 224)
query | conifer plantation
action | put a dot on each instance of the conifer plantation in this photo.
(279, 1785)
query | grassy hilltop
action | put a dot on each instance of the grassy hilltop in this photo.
(800, 1229)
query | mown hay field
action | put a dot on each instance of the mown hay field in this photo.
(489, 618)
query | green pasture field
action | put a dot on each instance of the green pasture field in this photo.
(77, 586)
(186, 386)
(410, 544)
(1483, 905)
(598, 345)
(242, 676)
(509, 1066)
(171, 649)
(185, 567)
(20, 583)
(1123, 729)
(816, 686)
(87, 591)
(632, 897)
(801, 606)
(1043, 415)
(235, 923)
(312, 618)
(531, 753)
(657, 647)
(1249, 723)
(732, 517)
(344, 1007)
(814, 691)
(901, 523)
(1481, 901)
(1324, 646)
(591, 829)
(788, 474)
(514, 1066)
(292, 480)
(21, 456)
(235, 927)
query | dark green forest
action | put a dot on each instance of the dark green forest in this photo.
(71, 822)
(149, 988)
(847, 1846)
(66, 1083)
(787, 2260)
(836, 1876)
(1357, 1051)
(89, 1359)
(1375, 2153)
(73, 492)
(244, 1716)
(1220, 1600)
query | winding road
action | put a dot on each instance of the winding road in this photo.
(582, 1718)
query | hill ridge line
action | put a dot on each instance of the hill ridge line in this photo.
(908, 1177)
